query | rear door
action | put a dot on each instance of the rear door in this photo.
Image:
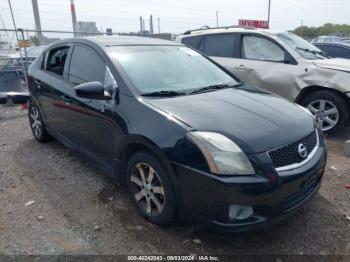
(50, 83)
(222, 48)
(192, 41)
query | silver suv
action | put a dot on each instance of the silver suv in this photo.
(283, 63)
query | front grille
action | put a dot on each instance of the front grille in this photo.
(288, 155)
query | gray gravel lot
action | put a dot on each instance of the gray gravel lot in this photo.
(55, 202)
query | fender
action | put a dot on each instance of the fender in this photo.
(131, 143)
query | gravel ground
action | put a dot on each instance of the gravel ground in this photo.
(55, 202)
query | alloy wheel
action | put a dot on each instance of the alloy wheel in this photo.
(147, 189)
(35, 121)
(325, 113)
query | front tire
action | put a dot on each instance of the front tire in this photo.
(37, 124)
(150, 189)
(331, 110)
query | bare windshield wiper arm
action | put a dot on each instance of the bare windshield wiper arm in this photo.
(165, 93)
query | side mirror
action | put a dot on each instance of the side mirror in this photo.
(92, 90)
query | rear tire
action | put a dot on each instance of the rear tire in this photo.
(150, 188)
(330, 109)
(37, 124)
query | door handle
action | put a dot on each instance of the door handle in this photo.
(66, 99)
(38, 83)
(241, 67)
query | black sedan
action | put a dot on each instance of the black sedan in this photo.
(181, 134)
(339, 49)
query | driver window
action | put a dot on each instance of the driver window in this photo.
(258, 48)
(87, 66)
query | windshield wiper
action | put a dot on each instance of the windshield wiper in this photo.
(314, 52)
(164, 93)
(214, 87)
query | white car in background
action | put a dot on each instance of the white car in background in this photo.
(283, 63)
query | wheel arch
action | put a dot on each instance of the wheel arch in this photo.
(135, 143)
(32, 100)
(314, 88)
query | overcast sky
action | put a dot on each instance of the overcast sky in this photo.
(176, 16)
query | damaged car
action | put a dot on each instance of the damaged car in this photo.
(283, 63)
(184, 136)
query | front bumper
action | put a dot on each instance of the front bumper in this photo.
(273, 196)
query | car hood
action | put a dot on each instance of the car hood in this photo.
(257, 121)
(334, 63)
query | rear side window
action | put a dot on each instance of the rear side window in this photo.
(86, 66)
(192, 41)
(56, 60)
(221, 45)
(337, 51)
(258, 48)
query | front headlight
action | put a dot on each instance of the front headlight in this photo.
(223, 156)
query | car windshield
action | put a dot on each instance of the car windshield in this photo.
(168, 69)
(303, 47)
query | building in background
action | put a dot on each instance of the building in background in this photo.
(89, 28)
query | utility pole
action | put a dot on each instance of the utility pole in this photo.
(141, 26)
(20, 53)
(269, 12)
(37, 19)
(217, 18)
(158, 25)
(151, 25)
(74, 16)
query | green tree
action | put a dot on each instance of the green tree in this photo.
(35, 40)
(327, 29)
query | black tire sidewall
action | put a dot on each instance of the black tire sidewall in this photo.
(168, 214)
(337, 100)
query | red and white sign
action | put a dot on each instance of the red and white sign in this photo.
(254, 23)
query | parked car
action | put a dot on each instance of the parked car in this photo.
(327, 39)
(11, 81)
(183, 135)
(345, 40)
(283, 63)
(16, 98)
(340, 50)
(15, 60)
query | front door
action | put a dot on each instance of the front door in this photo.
(264, 63)
(91, 125)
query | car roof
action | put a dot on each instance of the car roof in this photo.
(117, 40)
(229, 29)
